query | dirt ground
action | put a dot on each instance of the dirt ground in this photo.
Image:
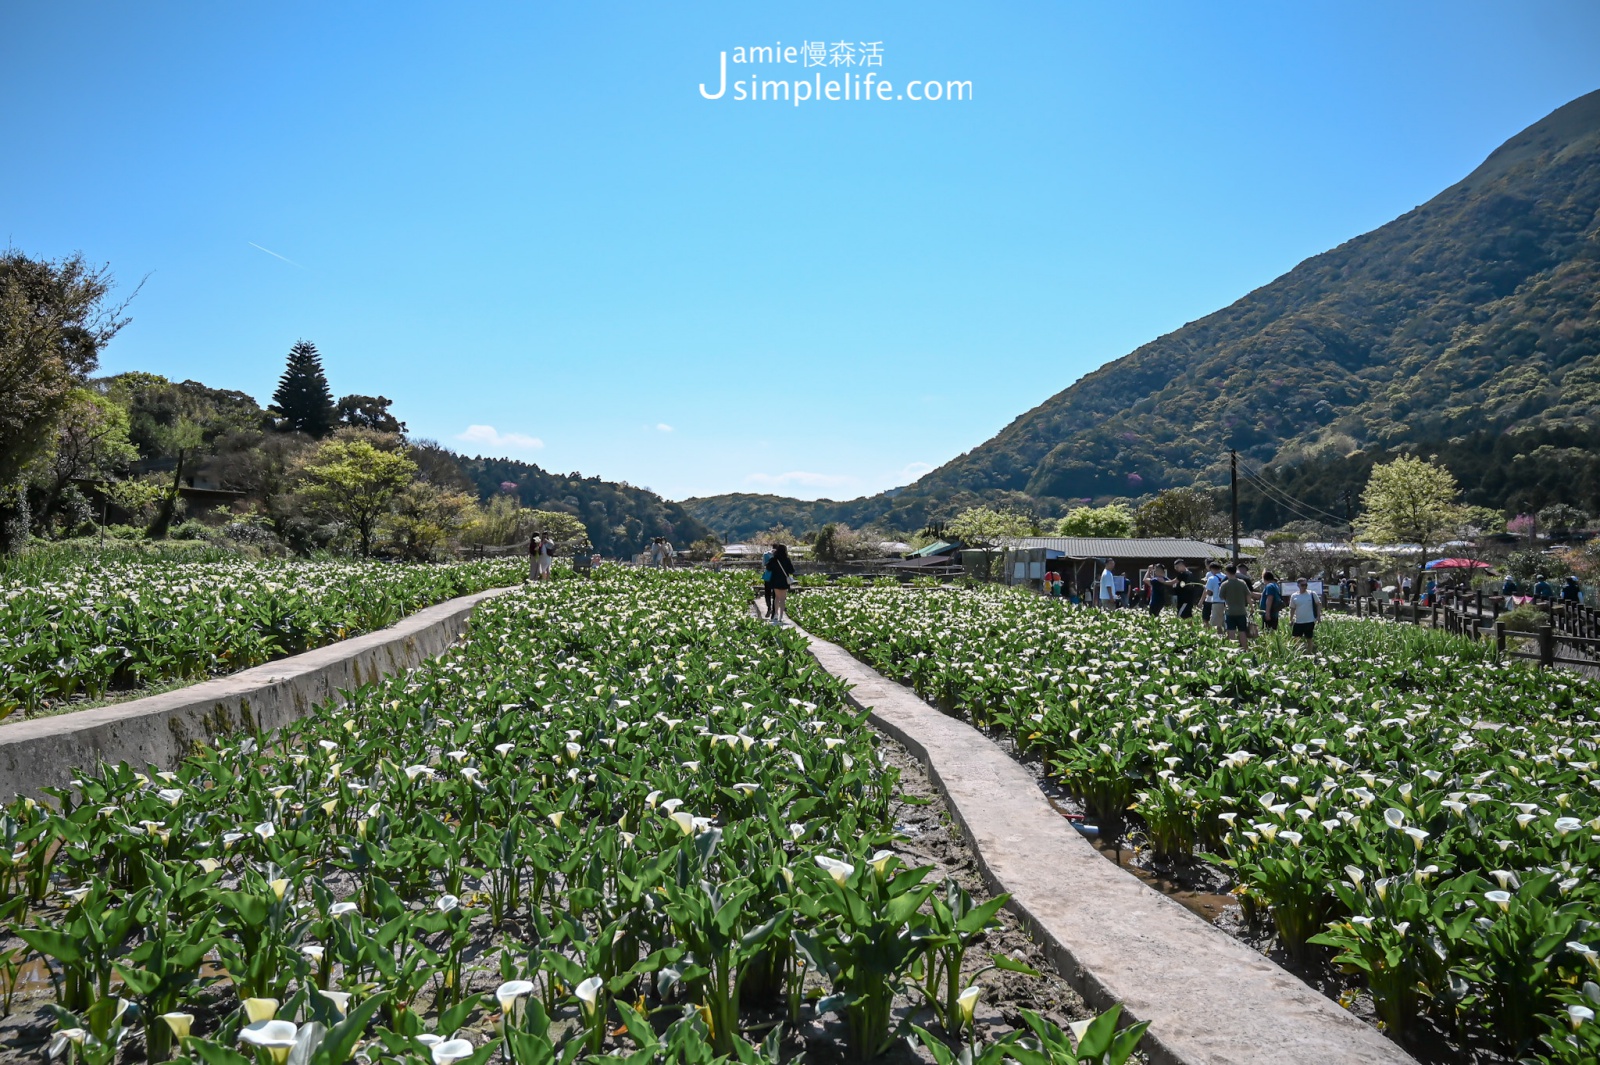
(929, 838)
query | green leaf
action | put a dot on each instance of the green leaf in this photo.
(341, 1040)
(1012, 965)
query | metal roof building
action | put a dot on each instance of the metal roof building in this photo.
(1082, 548)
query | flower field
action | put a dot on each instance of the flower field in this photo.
(625, 817)
(1396, 805)
(86, 627)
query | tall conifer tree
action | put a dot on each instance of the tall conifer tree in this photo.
(303, 398)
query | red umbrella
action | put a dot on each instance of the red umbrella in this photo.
(1457, 563)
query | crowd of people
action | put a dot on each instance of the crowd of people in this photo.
(1222, 597)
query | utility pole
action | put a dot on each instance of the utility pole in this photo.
(1233, 463)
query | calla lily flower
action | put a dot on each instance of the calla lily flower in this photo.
(447, 903)
(180, 1023)
(342, 909)
(171, 795)
(684, 821)
(588, 993)
(1418, 836)
(1578, 1016)
(1395, 818)
(880, 861)
(967, 1002)
(340, 1000)
(451, 1050)
(1501, 899)
(509, 992)
(266, 830)
(275, 1037)
(839, 871)
(260, 1009)
(278, 888)
(555, 818)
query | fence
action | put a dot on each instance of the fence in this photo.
(1569, 634)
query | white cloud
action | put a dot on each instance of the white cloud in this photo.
(801, 479)
(490, 438)
(913, 470)
(664, 427)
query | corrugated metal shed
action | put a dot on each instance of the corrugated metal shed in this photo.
(1133, 550)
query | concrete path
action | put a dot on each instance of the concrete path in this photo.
(159, 729)
(1210, 999)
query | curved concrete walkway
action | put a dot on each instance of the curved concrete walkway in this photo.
(158, 730)
(1209, 999)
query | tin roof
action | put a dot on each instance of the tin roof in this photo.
(1142, 550)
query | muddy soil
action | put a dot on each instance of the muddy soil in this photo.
(1206, 889)
(929, 837)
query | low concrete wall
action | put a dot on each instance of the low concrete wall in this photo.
(158, 730)
(1210, 999)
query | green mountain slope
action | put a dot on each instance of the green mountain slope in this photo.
(1477, 312)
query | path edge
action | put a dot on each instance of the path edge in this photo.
(159, 730)
(1080, 976)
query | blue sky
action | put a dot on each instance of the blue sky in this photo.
(525, 225)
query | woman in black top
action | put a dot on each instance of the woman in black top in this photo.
(781, 569)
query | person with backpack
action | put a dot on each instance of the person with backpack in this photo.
(1542, 589)
(1272, 600)
(780, 570)
(1571, 591)
(766, 583)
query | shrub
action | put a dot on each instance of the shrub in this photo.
(1525, 618)
(191, 530)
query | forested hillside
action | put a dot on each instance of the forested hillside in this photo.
(1474, 316)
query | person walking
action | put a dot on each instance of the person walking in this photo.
(781, 570)
(1211, 610)
(1186, 588)
(541, 552)
(1108, 585)
(1272, 600)
(1158, 589)
(1571, 591)
(1305, 610)
(766, 584)
(1235, 593)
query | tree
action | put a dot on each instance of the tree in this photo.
(424, 518)
(982, 525)
(369, 412)
(837, 542)
(1409, 500)
(302, 398)
(560, 526)
(356, 483)
(1559, 518)
(1113, 520)
(91, 443)
(1182, 514)
(183, 440)
(53, 323)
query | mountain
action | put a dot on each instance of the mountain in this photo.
(620, 518)
(1469, 318)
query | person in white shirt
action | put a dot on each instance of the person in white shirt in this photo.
(1305, 610)
(1108, 586)
(1212, 611)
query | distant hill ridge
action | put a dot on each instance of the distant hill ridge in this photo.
(1472, 316)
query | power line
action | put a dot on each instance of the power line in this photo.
(1295, 507)
(1308, 511)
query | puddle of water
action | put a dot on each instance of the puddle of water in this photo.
(1206, 904)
